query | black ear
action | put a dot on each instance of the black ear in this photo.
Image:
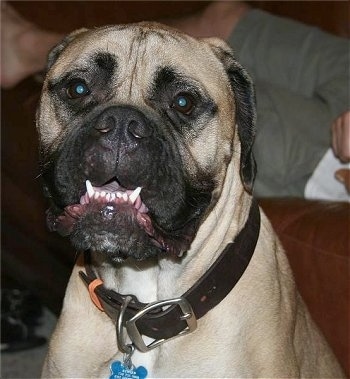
(57, 50)
(243, 89)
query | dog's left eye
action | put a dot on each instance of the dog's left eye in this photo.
(77, 89)
(184, 103)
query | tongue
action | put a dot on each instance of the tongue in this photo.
(113, 186)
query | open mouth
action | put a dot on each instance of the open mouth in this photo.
(104, 205)
(107, 200)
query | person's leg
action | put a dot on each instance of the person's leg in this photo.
(24, 47)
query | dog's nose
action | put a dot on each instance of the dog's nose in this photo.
(124, 119)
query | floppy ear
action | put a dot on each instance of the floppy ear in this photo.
(244, 94)
(56, 51)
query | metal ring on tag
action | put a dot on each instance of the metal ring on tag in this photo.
(123, 347)
(127, 358)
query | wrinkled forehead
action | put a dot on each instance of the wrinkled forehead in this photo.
(139, 51)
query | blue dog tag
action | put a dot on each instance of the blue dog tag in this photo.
(120, 371)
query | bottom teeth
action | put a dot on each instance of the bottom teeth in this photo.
(93, 194)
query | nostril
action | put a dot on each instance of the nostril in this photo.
(106, 125)
(122, 120)
(139, 129)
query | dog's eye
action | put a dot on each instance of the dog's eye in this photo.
(184, 103)
(77, 89)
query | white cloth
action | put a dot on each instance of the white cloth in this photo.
(322, 184)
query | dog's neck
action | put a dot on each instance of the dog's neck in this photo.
(129, 277)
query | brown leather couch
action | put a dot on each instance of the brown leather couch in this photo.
(315, 234)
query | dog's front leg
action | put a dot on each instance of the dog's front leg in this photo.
(84, 342)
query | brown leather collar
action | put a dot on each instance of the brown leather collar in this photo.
(205, 294)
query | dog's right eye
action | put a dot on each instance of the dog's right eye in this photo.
(77, 89)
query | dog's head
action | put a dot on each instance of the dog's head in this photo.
(140, 108)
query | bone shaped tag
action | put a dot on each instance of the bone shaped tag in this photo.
(120, 371)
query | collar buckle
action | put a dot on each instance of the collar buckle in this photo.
(187, 315)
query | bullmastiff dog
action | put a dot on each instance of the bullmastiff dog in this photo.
(146, 153)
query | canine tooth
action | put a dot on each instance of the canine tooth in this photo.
(89, 188)
(135, 195)
(125, 196)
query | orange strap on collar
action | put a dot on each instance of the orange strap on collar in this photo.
(95, 283)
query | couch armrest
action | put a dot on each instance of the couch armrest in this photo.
(315, 235)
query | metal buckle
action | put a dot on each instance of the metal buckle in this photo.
(187, 316)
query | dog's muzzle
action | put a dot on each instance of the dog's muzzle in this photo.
(136, 201)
